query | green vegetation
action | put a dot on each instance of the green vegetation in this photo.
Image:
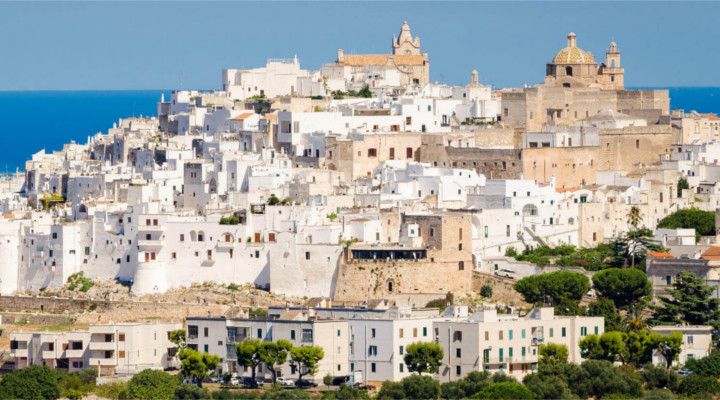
(258, 98)
(553, 354)
(689, 302)
(338, 94)
(257, 313)
(486, 291)
(114, 390)
(231, 220)
(248, 355)
(78, 280)
(233, 287)
(191, 392)
(275, 354)
(633, 348)
(332, 217)
(365, 92)
(197, 366)
(702, 221)
(34, 382)
(505, 390)
(273, 200)
(345, 392)
(562, 289)
(423, 357)
(51, 200)
(441, 303)
(152, 384)
(623, 286)
(306, 359)
(682, 184)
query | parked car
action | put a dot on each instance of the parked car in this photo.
(303, 383)
(190, 381)
(684, 372)
(235, 381)
(339, 380)
(247, 381)
(505, 273)
(285, 381)
(212, 379)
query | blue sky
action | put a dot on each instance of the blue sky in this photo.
(168, 45)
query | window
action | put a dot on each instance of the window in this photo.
(457, 370)
(458, 352)
(424, 330)
(121, 337)
(121, 354)
(402, 350)
(402, 331)
(207, 348)
(414, 332)
(192, 331)
(182, 237)
(461, 265)
(501, 359)
(205, 331)
(372, 367)
(307, 255)
(596, 330)
(510, 334)
(408, 120)
(637, 143)
(486, 356)
(552, 332)
(690, 340)
(522, 333)
(457, 336)
(372, 152)
(372, 350)
(668, 279)
(338, 332)
(500, 335)
(259, 333)
(307, 335)
(583, 331)
(292, 334)
(487, 335)
(563, 332)
(402, 369)
(372, 332)
(409, 152)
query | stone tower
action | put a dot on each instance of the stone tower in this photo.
(404, 44)
(613, 71)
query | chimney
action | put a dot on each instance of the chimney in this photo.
(340, 58)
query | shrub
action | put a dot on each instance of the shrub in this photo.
(153, 384)
(327, 380)
(233, 287)
(33, 382)
(232, 220)
(486, 291)
(113, 390)
(505, 390)
(191, 392)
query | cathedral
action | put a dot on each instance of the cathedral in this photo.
(406, 65)
(574, 67)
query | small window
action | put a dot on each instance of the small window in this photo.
(307, 255)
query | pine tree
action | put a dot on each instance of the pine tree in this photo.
(690, 303)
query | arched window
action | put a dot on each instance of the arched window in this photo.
(530, 210)
(201, 236)
(193, 236)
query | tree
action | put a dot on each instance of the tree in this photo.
(682, 184)
(706, 366)
(472, 383)
(33, 382)
(702, 221)
(604, 307)
(273, 200)
(703, 387)
(345, 392)
(636, 243)
(178, 337)
(669, 346)
(547, 386)
(338, 94)
(598, 378)
(306, 359)
(420, 387)
(486, 291)
(505, 390)
(274, 355)
(563, 288)
(609, 346)
(365, 92)
(191, 392)
(634, 218)
(553, 353)
(196, 365)
(391, 390)
(623, 286)
(658, 378)
(639, 347)
(423, 357)
(153, 384)
(248, 355)
(690, 303)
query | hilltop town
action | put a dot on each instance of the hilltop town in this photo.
(360, 208)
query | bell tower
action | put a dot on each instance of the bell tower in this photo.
(613, 71)
(405, 44)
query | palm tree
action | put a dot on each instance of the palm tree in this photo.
(634, 217)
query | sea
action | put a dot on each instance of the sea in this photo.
(31, 121)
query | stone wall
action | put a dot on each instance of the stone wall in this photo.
(38, 319)
(502, 288)
(23, 304)
(571, 166)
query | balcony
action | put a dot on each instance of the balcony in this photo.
(49, 354)
(523, 359)
(151, 228)
(102, 346)
(74, 353)
(104, 362)
(151, 243)
(19, 353)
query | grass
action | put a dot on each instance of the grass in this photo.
(60, 327)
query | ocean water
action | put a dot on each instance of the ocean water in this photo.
(31, 121)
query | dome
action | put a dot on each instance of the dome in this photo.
(573, 54)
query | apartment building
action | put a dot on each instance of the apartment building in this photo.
(112, 348)
(486, 341)
(220, 336)
(697, 342)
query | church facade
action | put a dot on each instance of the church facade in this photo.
(405, 65)
(576, 87)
